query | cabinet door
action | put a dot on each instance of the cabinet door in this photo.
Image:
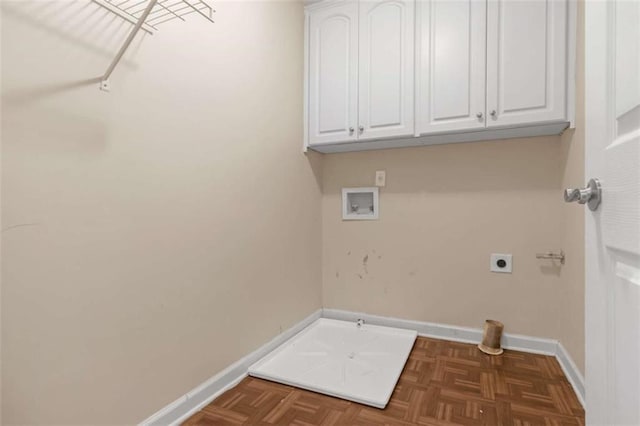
(451, 65)
(333, 73)
(526, 61)
(386, 106)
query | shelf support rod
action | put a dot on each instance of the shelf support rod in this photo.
(104, 85)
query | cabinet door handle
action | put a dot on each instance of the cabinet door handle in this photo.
(479, 115)
(361, 128)
(494, 113)
(350, 129)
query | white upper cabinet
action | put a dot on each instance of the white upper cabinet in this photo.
(526, 61)
(451, 65)
(386, 89)
(392, 73)
(333, 74)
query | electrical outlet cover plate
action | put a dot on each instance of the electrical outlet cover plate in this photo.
(502, 263)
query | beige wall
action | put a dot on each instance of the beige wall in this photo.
(156, 234)
(444, 210)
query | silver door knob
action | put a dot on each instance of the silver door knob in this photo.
(494, 113)
(591, 195)
(479, 115)
(361, 128)
(350, 129)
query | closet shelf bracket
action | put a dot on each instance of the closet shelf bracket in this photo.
(147, 18)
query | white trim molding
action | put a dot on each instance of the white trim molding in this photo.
(449, 332)
(572, 372)
(187, 405)
(194, 400)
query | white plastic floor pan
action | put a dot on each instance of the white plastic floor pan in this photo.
(341, 359)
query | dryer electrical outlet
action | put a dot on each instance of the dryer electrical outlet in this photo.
(502, 263)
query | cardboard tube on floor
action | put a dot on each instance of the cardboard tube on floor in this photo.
(491, 337)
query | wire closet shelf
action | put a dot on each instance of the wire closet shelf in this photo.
(147, 15)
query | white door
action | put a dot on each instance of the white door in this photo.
(386, 106)
(333, 73)
(451, 65)
(526, 61)
(613, 231)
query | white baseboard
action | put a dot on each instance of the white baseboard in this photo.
(572, 372)
(189, 404)
(193, 401)
(449, 332)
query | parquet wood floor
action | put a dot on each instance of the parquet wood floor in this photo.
(443, 383)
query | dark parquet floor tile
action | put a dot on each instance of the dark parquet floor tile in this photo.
(443, 383)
